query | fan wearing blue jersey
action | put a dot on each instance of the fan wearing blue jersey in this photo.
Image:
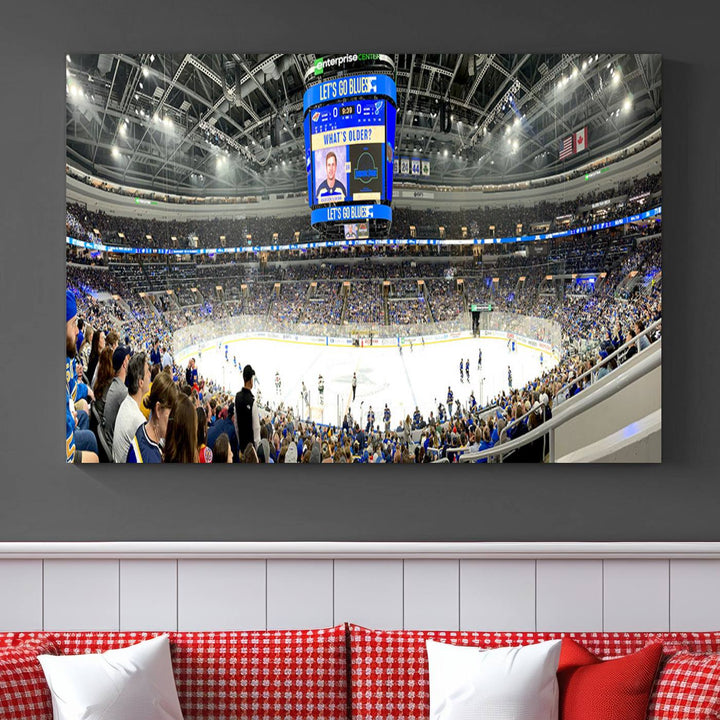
(80, 444)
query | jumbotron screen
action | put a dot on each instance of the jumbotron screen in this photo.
(349, 130)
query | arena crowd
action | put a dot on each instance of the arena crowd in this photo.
(127, 400)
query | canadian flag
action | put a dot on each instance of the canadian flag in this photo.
(581, 140)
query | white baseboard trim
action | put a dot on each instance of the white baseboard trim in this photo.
(360, 550)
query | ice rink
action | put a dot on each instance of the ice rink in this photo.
(418, 377)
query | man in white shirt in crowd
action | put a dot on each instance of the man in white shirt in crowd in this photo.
(130, 416)
(167, 358)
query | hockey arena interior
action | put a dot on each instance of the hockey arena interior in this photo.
(363, 258)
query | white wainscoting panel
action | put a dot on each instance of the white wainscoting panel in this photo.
(21, 599)
(431, 595)
(299, 594)
(694, 595)
(635, 595)
(369, 593)
(148, 595)
(497, 595)
(481, 586)
(221, 595)
(569, 595)
(82, 595)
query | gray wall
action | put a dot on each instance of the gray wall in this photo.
(41, 499)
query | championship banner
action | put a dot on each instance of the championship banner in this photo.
(396, 166)
(426, 168)
(404, 166)
(415, 166)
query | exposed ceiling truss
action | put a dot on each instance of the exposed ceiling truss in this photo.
(231, 124)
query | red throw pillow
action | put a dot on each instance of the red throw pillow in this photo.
(616, 689)
(24, 692)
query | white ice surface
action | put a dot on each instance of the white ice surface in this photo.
(417, 377)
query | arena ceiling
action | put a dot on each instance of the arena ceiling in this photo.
(231, 124)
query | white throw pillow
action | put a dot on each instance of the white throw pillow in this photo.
(513, 683)
(131, 683)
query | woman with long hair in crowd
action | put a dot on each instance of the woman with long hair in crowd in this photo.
(182, 432)
(147, 445)
(205, 454)
(104, 376)
(96, 347)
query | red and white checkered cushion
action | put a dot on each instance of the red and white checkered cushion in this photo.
(687, 688)
(691, 642)
(24, 692)
(389, 669)
(252, 675)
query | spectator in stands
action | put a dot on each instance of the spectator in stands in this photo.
(117, 392)
(250, 456)
(204, 452)
(642, 340)
(80, 335)
(104, 375)
(146, 446)
(80, 444)
(247, 420)
(113, 340)
(182, 433)
(222, 453)
(97, 346)
(130, 416)
(225, 424)
(155, 356)
(85, 346)
(632, 349)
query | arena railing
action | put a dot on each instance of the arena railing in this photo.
(592, 372)
(581, 403)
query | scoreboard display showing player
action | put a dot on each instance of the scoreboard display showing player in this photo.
(349, 127)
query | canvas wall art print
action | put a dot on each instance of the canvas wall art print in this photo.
(371, 258)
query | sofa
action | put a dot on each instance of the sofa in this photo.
(352, 672)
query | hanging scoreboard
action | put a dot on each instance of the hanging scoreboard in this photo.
(349, 128)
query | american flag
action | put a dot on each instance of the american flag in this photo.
(567, 147)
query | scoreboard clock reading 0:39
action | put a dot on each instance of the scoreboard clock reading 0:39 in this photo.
(349, 127)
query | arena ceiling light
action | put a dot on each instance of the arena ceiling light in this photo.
(115, 152)
(627, 105)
